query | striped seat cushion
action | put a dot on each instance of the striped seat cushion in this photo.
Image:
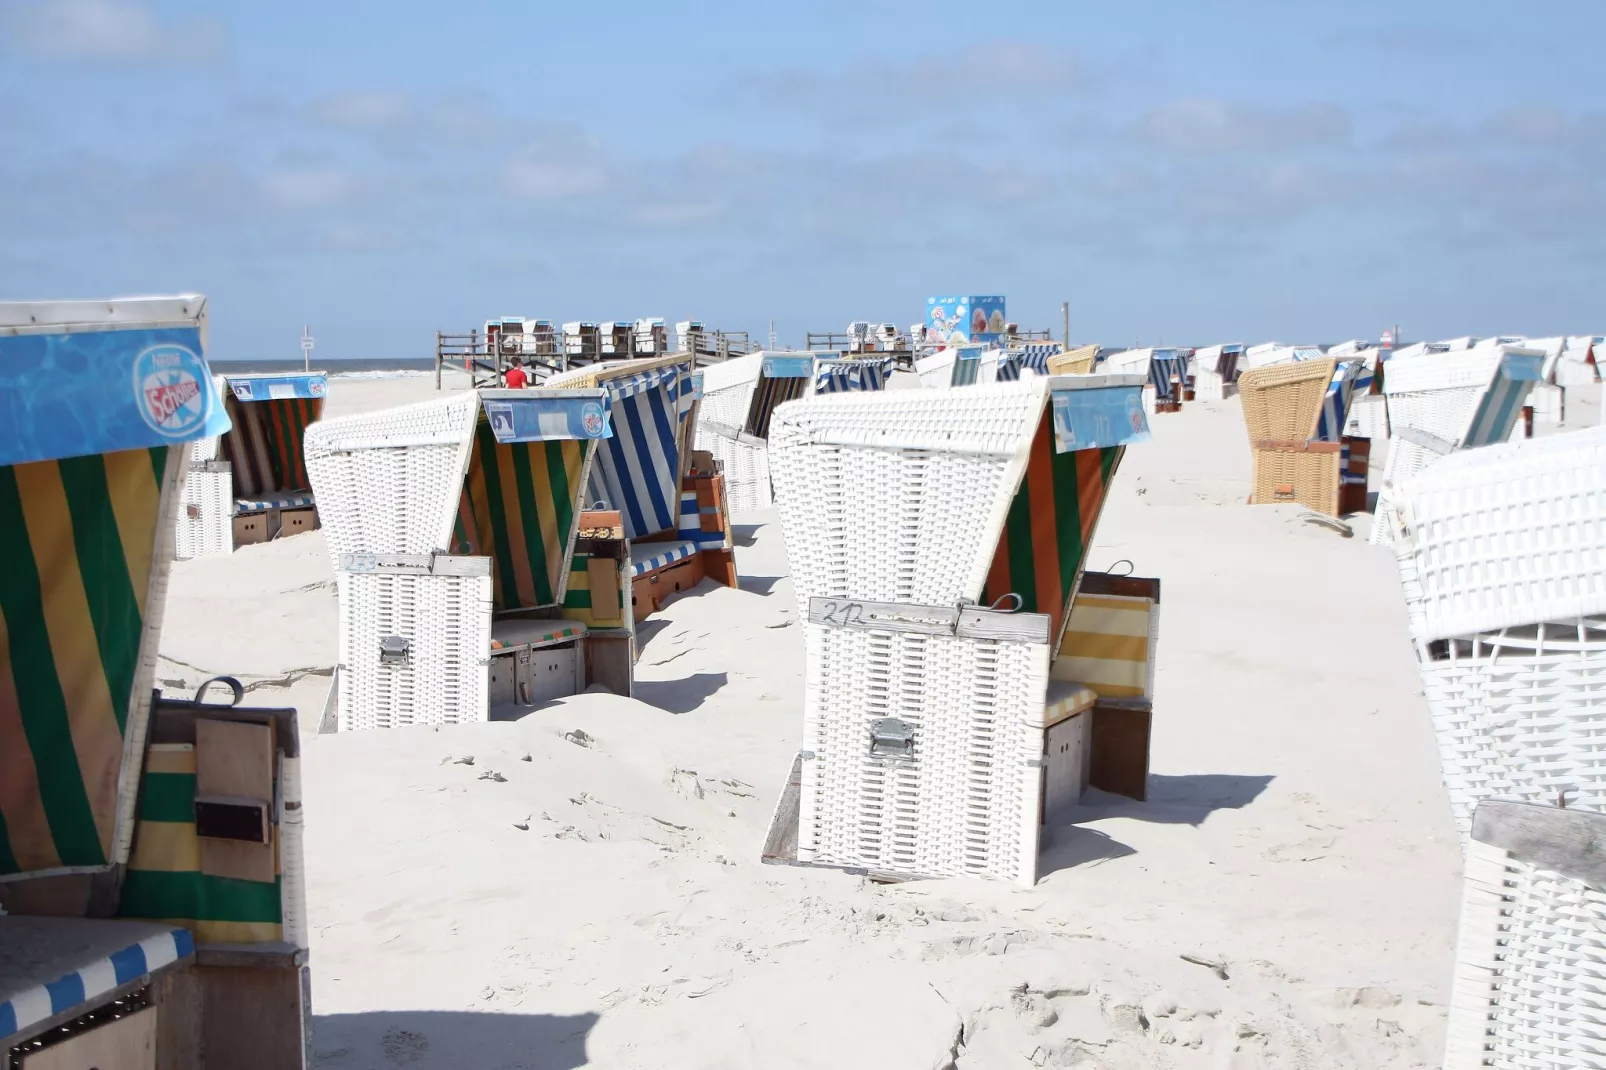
(693, 527)
(651, 556)
(534, 633)
(1109, 646)
(1066, 699)
(84, 960)
(246, 506)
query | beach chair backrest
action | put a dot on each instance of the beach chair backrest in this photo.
(652, 410)
(833, 375)
(781, 378)
(966, 369)
(1515, 376)
(270, 414)
(89, 488)
(1347, 379)
(1282, 402)
(1078, 361)
(1166, 366)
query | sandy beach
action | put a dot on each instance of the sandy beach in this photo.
(582, 886)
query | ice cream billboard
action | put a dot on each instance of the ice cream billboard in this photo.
(957, 320)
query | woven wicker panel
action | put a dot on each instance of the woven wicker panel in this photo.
(1530, 973)
(1289, 476)
(1506, 535)
(966, 803)
(746, 469)
(447, 621)
(1283, 402)
(1520, 714)
(211, 530)
(1077, 361)
(1441, 371)
(595, 374)
(900, 496)
(396, 501)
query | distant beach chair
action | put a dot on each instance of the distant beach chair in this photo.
(1078, 361)
(936, 540)
(1530, 981)
(1443, 402)
(835, 375)
(1215, 371)
(1165, 370)
(646, 473)
(1022, 357)
(959, 365)
(1295, 411)
(140, 832)
(1502, 557)
(454, 526)
(250, 484)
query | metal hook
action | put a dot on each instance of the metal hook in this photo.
(1130, 568)
(1019, 602)
(232, 684)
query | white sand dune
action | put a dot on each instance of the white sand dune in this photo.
(516, 894)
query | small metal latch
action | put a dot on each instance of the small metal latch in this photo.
(394, 650)
(892, 738)
(192, 511)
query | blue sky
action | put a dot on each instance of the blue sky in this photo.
(1178, 170)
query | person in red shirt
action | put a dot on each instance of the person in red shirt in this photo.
(515, 376)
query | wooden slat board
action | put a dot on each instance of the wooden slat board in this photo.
(1570, 842)
(124, 1044)
(236, 760)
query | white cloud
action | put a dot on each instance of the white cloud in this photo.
(362, 109)
(552, 177)
(1200, 125)
(307, 187)
(107, 29)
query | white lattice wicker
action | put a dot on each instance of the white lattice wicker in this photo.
(727, 396)
(1437, 394)
(1502, 555)
(447, 622)
(211, 529)
(899, 496)
(389, 481)
(967, 804)
(1530, 979)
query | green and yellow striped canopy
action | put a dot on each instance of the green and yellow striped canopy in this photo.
(78, 544)
(519, 507)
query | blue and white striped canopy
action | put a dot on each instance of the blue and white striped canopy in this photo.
(1348, 376)
(1164, 364)
(838, 376)
(638, 470)
(1033, 355)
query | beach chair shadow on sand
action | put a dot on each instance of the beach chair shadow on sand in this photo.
(449, 1040)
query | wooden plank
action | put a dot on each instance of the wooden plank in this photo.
(1126, 586)
(233, 759)
(255, 1018)
(780, 844)
(177, 994)
(1119, 762)
(1570, 842)
(127, 1043)
(604, 580)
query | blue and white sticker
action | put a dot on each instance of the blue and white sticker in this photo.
(591, 418)
(170, 386)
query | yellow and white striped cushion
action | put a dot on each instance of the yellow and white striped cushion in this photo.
(1107, 645)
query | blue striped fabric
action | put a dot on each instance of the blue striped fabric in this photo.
(1346, 476)
(1502, 403)
(243, 506)
(663, 553)
(839, 376)
(1335, 404)
(30, 1006)
(967, 366)
(638, 470)
(1033, 355)
(1164, 364)
(691, 524)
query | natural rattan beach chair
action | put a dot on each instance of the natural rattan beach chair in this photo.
(646, 473)
(1454, 400)
(1530, 979)
(1502, 556)
(150, 848)
(1295, 412)
(453, 527)
(936, 539)
(251, 484)
(1078, 361)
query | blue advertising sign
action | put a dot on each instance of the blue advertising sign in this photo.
(90, 392)
(1098, 418)
(528, 416)
(798, 367)
(273, 387)
(956, 320)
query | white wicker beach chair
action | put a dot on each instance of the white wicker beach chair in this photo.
(1502, 556)
(905, 513)
(1215, 371)
(1530, 973)
(452, 525)
(1453, 400)
(251, 484)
